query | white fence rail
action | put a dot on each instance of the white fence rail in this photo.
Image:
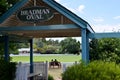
(40, 70)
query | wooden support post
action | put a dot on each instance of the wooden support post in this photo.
(6, 48)
(46, 70)
(85, 46)
(31, 57)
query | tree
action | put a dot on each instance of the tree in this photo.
(96, 70)
(13, 48)
(42, 45)
(22, 45)
(70, 45)
(6, 4)
(106, 49)
(94, 50)
(39, 44)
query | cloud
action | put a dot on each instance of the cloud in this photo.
(57, 0)
(106, 28)
(73, 10)
(117, 17)
(98, 19)
(81, 8)
(78, 9)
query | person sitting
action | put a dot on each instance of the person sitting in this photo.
(52, 60)
(51, 63)
(57, 63)
(54, 63)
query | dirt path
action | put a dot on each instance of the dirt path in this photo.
(56, 73)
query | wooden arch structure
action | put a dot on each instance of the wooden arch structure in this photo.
(64, 23)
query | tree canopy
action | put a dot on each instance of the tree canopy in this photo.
(71, 46)
(106, 49)
(68, 45)
(43, 46)
(6, 4)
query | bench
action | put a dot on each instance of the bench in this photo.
(54, 64)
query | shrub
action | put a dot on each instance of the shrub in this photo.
(96, 70)
(7, 70)
(50, 77)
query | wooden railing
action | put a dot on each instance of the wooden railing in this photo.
(40, 71)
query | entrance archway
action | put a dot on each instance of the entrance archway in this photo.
(64, 23)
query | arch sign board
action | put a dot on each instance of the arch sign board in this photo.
(35, 14)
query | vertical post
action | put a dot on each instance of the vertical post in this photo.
(85, 46)
(46, 70)
(6, 48)
(31, 57)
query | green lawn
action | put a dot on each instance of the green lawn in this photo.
(61, 58)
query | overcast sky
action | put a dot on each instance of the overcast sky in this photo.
(102, 15)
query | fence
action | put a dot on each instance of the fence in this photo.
(40, 71)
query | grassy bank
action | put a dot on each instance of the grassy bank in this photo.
(61, 58)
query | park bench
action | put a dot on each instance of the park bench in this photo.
(54, 64)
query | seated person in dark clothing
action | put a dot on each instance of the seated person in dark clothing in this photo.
(57, 63)
(54, 63)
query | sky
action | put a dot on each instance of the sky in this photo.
(102, 15)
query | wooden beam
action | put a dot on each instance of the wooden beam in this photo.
(104, 35)
(30, 28)
(14, 38)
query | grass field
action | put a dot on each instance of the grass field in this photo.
(61, 58)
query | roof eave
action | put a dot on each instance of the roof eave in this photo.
(66, 13)
(76, 19)
(90, 28)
